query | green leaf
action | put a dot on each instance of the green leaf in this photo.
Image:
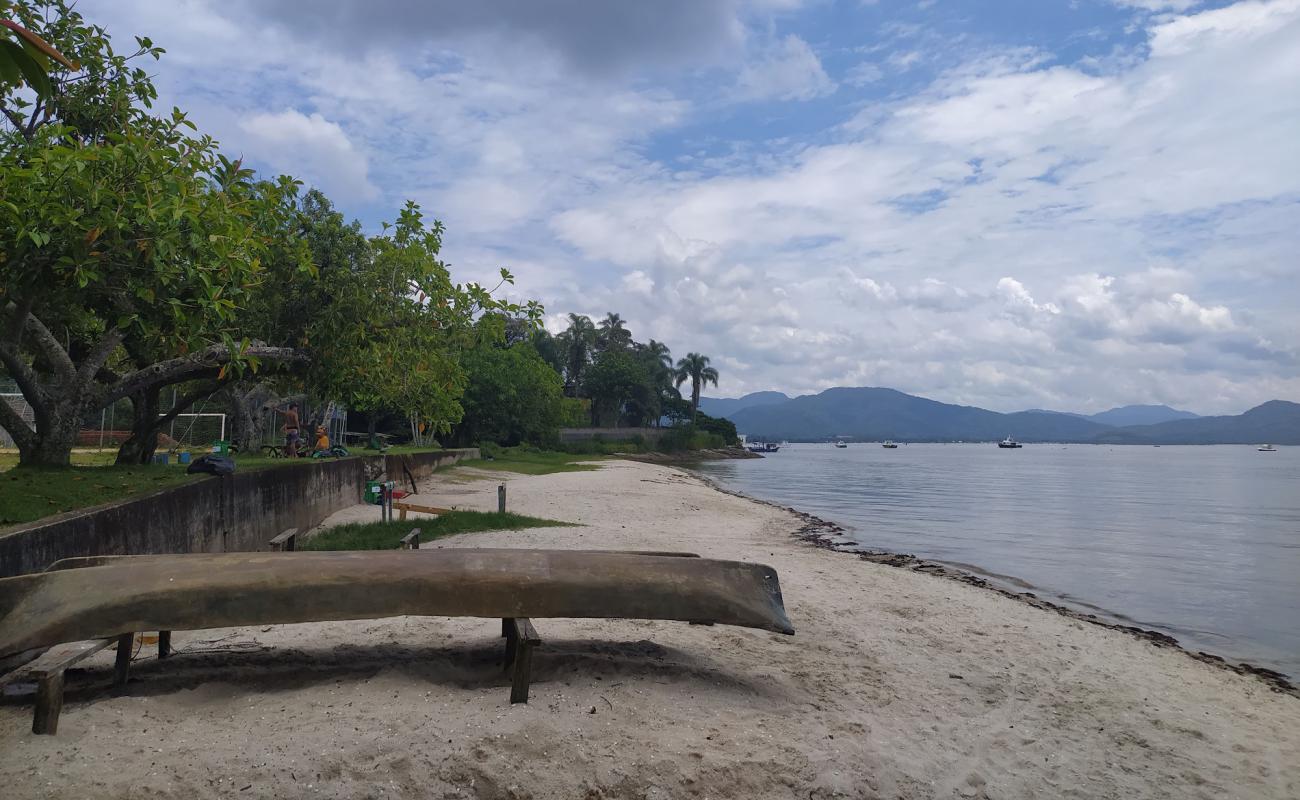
(31, 71)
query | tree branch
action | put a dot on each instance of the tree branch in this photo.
(190, 398)
(98, 355)
(23, 435)
(204, 364)
(23, 375)
(50, 347)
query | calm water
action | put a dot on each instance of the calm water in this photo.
(1202, 543)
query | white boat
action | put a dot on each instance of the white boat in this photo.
(889, 445)
(1009, 444)
(840, 443)
(1267, 448)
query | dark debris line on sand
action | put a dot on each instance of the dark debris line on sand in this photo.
(830, 536)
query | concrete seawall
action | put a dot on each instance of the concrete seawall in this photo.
(212, 515)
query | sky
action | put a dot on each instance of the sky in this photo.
(1069, 204)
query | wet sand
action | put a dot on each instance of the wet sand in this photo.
(898, 683)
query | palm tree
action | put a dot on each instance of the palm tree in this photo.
(577, 344)
(695, 368)
(659, 352)
(614, 333)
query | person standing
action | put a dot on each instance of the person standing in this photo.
(292, 433)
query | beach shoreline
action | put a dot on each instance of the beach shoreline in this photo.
(830, 535)
(898, 683)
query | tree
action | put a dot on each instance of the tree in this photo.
(513, 396)
(615, 380)
(614, 334)
(695, 368)
(92, 90)
(397, 326)
(27, 60)
(147, 236)
(577, 343)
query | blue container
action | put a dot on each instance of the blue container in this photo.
(160, 458)
(183, 457)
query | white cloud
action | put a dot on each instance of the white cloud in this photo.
(1020, 231)
(312, 148)
(786, 70)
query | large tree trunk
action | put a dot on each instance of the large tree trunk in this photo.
(248, 404)
(139, 447)
(55, 435)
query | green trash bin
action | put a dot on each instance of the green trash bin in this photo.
(374, 492)
(221, 448)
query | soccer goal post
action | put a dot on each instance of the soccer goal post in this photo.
(195, 429)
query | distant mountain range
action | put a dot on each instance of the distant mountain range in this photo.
(1129, 415)
(875, 414)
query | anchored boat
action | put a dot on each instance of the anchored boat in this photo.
(1009, 443)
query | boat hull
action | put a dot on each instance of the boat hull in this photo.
(107, 596)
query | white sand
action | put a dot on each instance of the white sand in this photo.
(898, 684)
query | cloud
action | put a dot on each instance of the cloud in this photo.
(593, 36)
(786, 70)
(311, 148)
(998, 224)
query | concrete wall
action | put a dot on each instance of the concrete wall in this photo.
(610, 434)
(212, 515)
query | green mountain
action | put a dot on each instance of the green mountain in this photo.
(726, 406)
(875, 413)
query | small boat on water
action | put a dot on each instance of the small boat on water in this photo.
(840, 443)
(1267, 448)
(1009, 443)
(889, 445)
(762, 447)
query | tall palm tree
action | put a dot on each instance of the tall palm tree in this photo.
(614, 334)
(659, 352)
(695, 368)
(578, 342)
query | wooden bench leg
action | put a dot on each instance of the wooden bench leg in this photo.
(49, 703)
(520, 673)
(512, 641)
(122, 667)
(164, 644)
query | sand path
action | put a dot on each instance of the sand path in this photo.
(897, 684)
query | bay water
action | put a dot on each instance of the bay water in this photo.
(1199, 542)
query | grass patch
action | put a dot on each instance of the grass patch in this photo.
(530, 461)
(29, 494)
(388, 535)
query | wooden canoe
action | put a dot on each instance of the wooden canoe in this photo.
(106, 596)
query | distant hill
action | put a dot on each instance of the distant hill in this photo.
(726, 406)
(1140, 415)
(876, 413)
(1277, 421)
(1127, 415)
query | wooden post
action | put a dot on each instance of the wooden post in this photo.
(122, 666)
(521, 638)
(49, 703)
(501, 499)
(164, 644)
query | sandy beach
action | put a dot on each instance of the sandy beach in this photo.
(898, 684)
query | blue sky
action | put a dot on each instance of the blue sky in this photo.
(1011, 203)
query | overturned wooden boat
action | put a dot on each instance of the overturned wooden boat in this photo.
(104, 596)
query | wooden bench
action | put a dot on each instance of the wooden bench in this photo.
(47, 672)
(411, 541)
(96, 597)
(402, 507)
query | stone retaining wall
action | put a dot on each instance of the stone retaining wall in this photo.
(212, 515)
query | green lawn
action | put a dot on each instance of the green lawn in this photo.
(29, 494)
(388, 535)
